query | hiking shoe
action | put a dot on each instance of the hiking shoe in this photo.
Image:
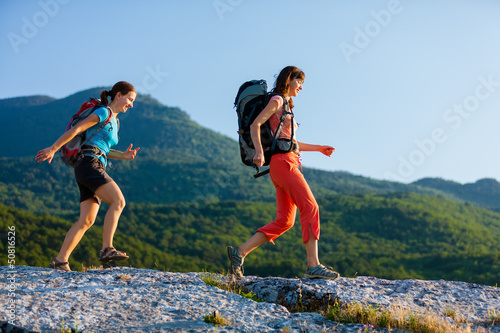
(110, 253)
(321, 272)
(236, 261)
(61, 265)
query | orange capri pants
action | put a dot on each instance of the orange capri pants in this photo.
(292, 191)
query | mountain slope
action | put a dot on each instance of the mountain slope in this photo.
(155, 128)
(393, 236)
(179, 161)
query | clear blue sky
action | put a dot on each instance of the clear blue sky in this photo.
(402, 89)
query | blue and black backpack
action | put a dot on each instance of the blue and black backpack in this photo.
(251, 99)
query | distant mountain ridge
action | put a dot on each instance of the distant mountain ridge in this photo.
(149, 125)
(18, 102)
(179, 160)
(484, 192)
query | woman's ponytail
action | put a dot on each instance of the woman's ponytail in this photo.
(104, 97)
(121, 87)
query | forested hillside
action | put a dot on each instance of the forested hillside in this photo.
(179, 160)
(392, 236)
(189, 196)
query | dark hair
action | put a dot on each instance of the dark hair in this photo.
(122, 87)
(282, 83)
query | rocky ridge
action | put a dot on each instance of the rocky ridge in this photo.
(142, 300)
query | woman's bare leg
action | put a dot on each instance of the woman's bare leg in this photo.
(113, 196)
(312, 250)
(254, 242)
(88, 213)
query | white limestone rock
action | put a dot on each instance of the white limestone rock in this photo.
(142, 300)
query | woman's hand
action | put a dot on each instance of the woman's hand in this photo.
(326, 150)
(130, 153)
(259, 159)
(45, 154)
(48, 153)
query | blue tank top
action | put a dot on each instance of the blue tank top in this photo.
(105, 138)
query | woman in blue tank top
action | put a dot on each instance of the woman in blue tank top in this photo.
(90, 173)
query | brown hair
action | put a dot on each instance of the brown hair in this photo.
(282, 83)
(121, 86)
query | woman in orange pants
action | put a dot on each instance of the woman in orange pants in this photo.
(292, 190)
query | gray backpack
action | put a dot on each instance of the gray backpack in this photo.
(251, 99)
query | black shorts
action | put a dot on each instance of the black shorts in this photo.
(90, 173)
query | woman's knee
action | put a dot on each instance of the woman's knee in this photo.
(86, 222)
(112, 195)
(314, 207)
(285, 224)
(119, 203)
(310, 212)
(88, 213)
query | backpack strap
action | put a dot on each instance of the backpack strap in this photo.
(110, 113)
(104, 123)
(262, 173)
(286, 111)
